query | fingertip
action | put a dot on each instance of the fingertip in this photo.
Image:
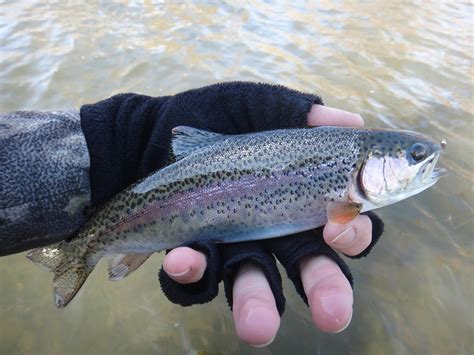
(329, 294)
(331, 312)
(328, 116)
(184, 265)
(351, 238)
(339, 236)
(255, 314)
(257, 324)
(358, 120)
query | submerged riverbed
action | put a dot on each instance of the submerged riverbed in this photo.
(405, 66)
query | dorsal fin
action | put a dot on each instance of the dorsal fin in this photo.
(187, 140)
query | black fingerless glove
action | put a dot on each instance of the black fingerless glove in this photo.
(129, 135)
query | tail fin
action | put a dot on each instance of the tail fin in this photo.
(70, 270)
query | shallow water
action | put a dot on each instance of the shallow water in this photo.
(407, 66)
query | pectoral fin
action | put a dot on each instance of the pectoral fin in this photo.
(343, 212)
(122, 265)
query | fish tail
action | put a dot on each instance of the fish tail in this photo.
(70, 270)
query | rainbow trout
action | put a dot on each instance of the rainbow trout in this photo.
(230, 188)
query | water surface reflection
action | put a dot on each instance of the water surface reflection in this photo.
(405, 66)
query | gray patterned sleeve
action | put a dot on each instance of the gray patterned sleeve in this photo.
(44, 178)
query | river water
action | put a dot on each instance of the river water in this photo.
(405, 65)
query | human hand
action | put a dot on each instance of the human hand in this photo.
(129, 136)
(326, 287)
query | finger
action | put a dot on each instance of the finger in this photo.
(185, 265)
(255, 314)
(328, 116)
(351, 238)
(329, 293)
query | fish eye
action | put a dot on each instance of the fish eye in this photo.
(418, 151)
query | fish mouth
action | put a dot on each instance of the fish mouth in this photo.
(438, 173)
(430, 174)
(427, 176)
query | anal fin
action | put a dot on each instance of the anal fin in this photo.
(122, 265)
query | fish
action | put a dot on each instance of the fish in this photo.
(232, 188)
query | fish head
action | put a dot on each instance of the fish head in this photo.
(396, 165)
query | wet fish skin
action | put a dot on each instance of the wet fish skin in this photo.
(229, 189)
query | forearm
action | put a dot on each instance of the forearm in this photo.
(44, 178)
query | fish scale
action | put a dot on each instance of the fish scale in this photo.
(229, 189)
